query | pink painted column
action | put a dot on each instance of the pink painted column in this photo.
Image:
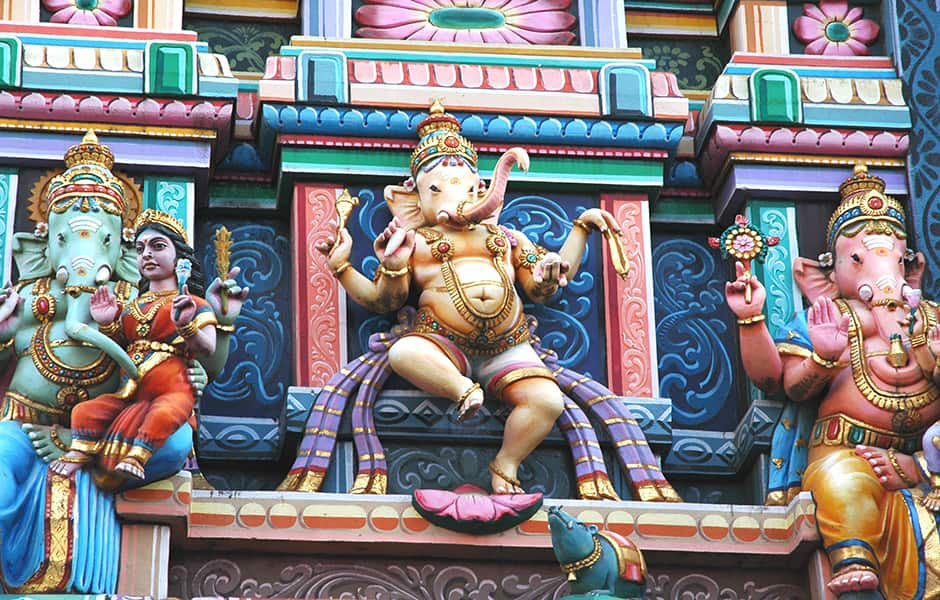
(145, 560)
(319, 301)
(631, 335)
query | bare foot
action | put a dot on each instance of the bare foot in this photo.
(68, 464)
(130, 468)
(852, 579)
(885, 471)
(471, 403)
(503, 480)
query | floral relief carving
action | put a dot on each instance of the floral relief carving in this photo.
(88, 12)
(834, 28)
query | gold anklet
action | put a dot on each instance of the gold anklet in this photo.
(897, 469)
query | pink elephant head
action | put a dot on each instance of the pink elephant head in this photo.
(868, 257)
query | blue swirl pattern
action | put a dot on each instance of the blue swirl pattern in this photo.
(693, 333)
(255, 379)
(570, 324)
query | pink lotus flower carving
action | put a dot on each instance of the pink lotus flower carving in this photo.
(88, 12)
(834, 28)
(490, 21)
(469, 509)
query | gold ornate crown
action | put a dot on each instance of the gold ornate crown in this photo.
(87, 180)
(158, 217)
(440, 136)
(863, 199)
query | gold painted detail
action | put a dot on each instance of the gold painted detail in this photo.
(884, 399)
(156, 300)
(588, 561)
(61, 373)
(529, 256)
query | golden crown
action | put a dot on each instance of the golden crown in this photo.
(158, 217)
(440, 136)
(863, 199)
(87, 179)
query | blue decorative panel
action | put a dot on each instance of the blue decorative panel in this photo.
(321, 77)
(625, 90)
(920, 58)
(695, 335)
(572, 324)
(255, 380)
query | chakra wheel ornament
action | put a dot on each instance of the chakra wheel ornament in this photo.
(744, 242)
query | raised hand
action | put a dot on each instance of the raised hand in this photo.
(551, 270)
(184, 308)
(600, 220)
(828, 329)
(734, 293)
(933, 340)
(235, 294)
(9, 301)
(337, 251)
(104, 306)
(395, 245)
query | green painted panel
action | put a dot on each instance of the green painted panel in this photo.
(240, 195)
(171, 68)
(10, 62)
(775, 96)
(683, 210)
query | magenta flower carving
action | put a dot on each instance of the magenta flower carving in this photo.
(87, 12)
(492, 21)
(834, 28)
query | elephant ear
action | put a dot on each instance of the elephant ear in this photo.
(31, 254)
(126, 267)
(404, 204)
(814, 280)
(914, 270)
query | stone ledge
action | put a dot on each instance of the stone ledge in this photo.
(278, 521)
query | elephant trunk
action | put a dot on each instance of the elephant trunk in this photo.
(79, 310)
(492, 201)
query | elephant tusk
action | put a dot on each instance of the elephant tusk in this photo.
(62, 275)
(395, 242)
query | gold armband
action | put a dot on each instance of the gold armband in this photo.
(340, 269)
(110, 328)
(188, 330)
(918, 340)
(751, 320)
(582, 225)
(226, 328)
(393, 274)
(822, 362)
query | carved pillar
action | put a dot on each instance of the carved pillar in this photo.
(173, 195)
(319, 300)
(602, 23)
(327, 18)
(776, 273)
(8, 182)
(20, 11)
(145, 560)
(631, 339)
(760, 26)
(163, 15)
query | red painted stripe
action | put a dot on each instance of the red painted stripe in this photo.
(120, 33)
(855, 62)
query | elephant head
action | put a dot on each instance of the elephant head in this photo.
(445, 187)
(868, 257)
(82, 246)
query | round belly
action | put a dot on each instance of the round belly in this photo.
(474, 298)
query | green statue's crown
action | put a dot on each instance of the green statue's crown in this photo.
(87, 179)
(440, 136)
(864, 200)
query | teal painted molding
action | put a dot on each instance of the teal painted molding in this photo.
(826, 72)
(170, 69)
(459, 58)
(8, 183)
(11, 61)
(775, 96)
(175, 196)
(690, 211)
(625, 90)
(322, 77)
(876, 116)
(37, 78)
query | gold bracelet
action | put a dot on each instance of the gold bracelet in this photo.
(393, 274)
(54, 436)
(340, 269)
(226, 328)
(751, 320)
(897, 469)
(918, 340)
(581, 224)
(110, 328)
(822, 362)
(188, 330)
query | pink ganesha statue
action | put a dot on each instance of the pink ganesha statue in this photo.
(861, 368)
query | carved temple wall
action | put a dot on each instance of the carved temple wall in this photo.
(674, 117)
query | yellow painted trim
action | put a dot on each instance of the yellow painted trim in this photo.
(80, 127)
(657, 22)
(450, 48)
(258, 8)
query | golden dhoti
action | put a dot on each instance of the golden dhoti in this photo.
(863, 524)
